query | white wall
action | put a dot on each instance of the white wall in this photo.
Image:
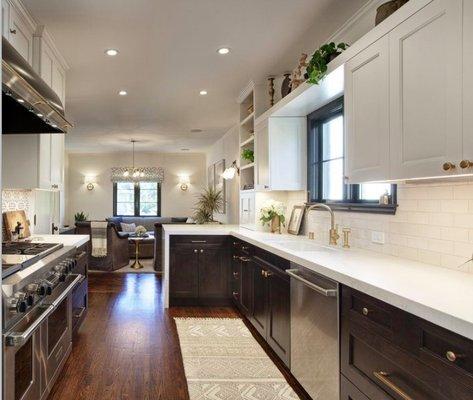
(227, 148)
(98, 203)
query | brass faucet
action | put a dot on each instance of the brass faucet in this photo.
(334, 236)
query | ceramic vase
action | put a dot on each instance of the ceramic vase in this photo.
(276, 224)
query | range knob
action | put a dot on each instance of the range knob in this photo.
(17, 305)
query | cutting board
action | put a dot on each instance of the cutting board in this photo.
(10, 219)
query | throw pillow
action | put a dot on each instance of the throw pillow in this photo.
(128, 227)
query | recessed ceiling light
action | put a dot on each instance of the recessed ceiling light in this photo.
(223, 50)
(203, 92)
(111, 52)
(122, 92)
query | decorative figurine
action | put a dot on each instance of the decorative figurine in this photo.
(271, 90)
(298, 73)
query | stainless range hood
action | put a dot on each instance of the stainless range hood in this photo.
(29, 105)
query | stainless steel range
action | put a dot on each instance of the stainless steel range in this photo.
(37, 321)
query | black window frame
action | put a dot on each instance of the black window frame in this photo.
(351, 192)
(136, 201)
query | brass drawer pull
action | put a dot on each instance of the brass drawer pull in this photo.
(235, 257)
(365, 311)
(263, 273)
(448, 166)
(235, 294)
(383, 377)
(245, 259)
(235, 275)
(452, 356)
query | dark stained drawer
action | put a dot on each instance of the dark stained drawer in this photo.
(270, 258)
(384, 371)
(240, 247)
(348, 391)
(448, 353)
(369, 312)
(200, 240)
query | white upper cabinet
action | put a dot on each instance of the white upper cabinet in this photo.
(19, 32)
(367, 114)
(5, 18)
(281, 144)
(426, 91)
(467, 86)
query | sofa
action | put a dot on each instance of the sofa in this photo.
(117, 248)
(148, 248)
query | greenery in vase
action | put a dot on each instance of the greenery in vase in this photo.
(317, 67)
(270, 210)
(80, 216)
(140, 230)
(209, 202)
(248, 154)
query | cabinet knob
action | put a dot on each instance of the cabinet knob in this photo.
(235, 294)
(451, 356)
(448, 166)
(263, 272)
(196, 251)
(235, 275)
(235, 257)
(201, 250)
(464, 164)
(13, 31)
(365, 311)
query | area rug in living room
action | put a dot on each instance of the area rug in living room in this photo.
(223, 361)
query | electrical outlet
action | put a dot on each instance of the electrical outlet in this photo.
(378, 237)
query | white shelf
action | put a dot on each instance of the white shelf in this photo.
(247, 166)
(247, 119)
(248, 141)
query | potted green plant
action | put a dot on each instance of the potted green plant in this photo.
(209, 202)
(317, 68)
(248, 154)
(80, 216)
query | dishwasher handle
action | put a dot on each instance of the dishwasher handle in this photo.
(326, 292)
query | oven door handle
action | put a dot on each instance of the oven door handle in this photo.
(16, 339)
(67, 291)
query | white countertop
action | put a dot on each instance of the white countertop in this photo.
(66, 240)
(439, 295)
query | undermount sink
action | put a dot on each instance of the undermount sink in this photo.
(300, 245)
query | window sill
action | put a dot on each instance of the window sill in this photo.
(371, 208)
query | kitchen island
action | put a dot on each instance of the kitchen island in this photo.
(438, 295)
(66, 240)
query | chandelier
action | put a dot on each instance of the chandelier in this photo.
(137, 174)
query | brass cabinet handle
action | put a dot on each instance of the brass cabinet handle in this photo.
(383, 377)
(245, 259)
(235, 294)
(365, 311)
(464, 164)
(448, 166)
(263, 272)
(13, 31)
(268, 274)
(235, 257)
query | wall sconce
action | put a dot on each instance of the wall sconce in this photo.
(90, 182)
(184, 182)
(230, 172)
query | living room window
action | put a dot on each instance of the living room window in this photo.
(140, 199)
(326, 156)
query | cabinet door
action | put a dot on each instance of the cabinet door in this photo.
(57, 160)
(259, 316)
(247, 210)
(184, 274)
(5, 18)
(44, 160)
(262, 156)
(425, 91)
(279, 314)
(21, 35)
(46, 63)
(236, 281)
(213, 272)
(367, 114)
(350, 392)
(246, 291)
(58, 81)
(467, 83)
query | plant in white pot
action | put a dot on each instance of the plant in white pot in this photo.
(208, 203)
(272, 213)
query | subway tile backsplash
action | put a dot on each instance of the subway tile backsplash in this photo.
(433, 224)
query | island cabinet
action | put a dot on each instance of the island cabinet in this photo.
(199, 270)
(387, 353)
(262, 294)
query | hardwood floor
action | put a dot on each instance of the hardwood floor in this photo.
(128, 347)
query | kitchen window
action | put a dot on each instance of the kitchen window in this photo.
(326, 154)
(140, 199)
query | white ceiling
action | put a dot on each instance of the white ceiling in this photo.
(167, 55)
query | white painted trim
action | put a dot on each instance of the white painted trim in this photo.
(245, 92)
(24, 13)
(42, 33)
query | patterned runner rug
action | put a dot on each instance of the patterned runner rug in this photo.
(223, 361)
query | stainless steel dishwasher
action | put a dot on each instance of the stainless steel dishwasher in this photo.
(314, 333)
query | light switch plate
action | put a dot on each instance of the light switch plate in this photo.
(378, 237)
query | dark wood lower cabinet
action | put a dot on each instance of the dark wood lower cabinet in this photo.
(348, 391)
(199, 271)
